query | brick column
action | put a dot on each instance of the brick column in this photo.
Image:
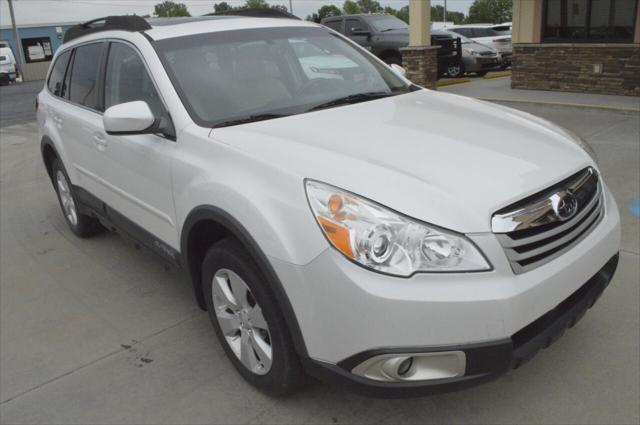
(421, 64)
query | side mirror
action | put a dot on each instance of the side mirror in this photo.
(359, 31)
(130, 118)
(399, 70)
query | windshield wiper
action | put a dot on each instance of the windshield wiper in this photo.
(390, 29)
(248, 119)
(352, 98)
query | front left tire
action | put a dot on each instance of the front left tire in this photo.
(247, 320)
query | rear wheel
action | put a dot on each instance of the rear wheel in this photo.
(82, 225)
(247, 320)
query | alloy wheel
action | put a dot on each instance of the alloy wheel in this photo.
(66, 199)
(241, 321)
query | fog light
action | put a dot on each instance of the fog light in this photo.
(413, 367)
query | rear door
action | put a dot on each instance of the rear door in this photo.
(80, 120)
(335, 24)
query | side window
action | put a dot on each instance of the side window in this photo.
(334, 25)
(354, 23)
(56, 79)
(127, 80)
(85, 73)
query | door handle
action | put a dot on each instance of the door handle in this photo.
(100, 141)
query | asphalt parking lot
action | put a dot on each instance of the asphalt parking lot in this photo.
(95, 331)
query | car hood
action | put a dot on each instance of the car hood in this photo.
(441, 158)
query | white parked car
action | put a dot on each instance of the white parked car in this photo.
(350, 228)
(490, 37)
(8, 69)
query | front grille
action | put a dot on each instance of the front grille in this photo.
(533, 231)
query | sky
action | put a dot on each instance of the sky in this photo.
(49, 11)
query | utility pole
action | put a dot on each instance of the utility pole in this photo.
(291, 6)
(444, 17)
(16, 37)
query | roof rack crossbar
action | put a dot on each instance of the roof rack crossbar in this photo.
(131, 23)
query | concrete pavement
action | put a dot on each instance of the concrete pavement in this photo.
(18, 103)
(94, 331)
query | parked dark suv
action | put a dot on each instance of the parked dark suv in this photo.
(385, 35)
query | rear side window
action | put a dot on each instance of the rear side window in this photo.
(3, 58)
(127, 80)
(85, 75)
(484, 32)
(334, 25)
(56, 79)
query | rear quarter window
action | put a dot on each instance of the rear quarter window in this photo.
(56, 78)
(3, 59)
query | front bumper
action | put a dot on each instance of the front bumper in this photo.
(484, 361)
(346, 313)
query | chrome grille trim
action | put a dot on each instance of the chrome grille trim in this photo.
(545, 238)
(539, 212)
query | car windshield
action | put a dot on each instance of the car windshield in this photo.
(384, 23)
(234, 77)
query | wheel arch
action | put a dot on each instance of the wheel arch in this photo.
(206, 225)
(49, 153)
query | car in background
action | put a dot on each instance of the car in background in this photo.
(487, 35)
(8, 68)
(503, 29)
(476, 58)
(384, 36)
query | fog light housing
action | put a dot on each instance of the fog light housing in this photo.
(412, 367)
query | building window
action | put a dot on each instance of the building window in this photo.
(37, 49)
(594, 21)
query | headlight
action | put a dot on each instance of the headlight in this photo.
(384, 240)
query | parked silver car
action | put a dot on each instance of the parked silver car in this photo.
(476, 58)
(490, 37)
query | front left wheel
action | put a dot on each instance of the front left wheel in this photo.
(247, 320)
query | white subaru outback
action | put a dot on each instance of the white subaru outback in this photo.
(333, 218)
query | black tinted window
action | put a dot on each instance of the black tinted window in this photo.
(127, 80)
(589, 20)
(56, 83)
(334, 25)
(354, 24)
(84, 75)
(484, 32)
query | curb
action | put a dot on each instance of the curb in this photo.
(497, 74)
(452, 82)
(566, 104)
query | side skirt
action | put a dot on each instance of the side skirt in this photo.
(118, 223)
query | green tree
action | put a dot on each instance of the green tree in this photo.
(222, 7)
(350, 7)
(369, 6)
(403, 14)
(256, 4)
(490, 11)
(437, 15)
(328, 11)
(169, 8)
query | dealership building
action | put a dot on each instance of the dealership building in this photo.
(38, 42)
(590, 46)
(577, 45)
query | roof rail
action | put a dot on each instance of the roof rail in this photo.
(256, 13)
(131, 23)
